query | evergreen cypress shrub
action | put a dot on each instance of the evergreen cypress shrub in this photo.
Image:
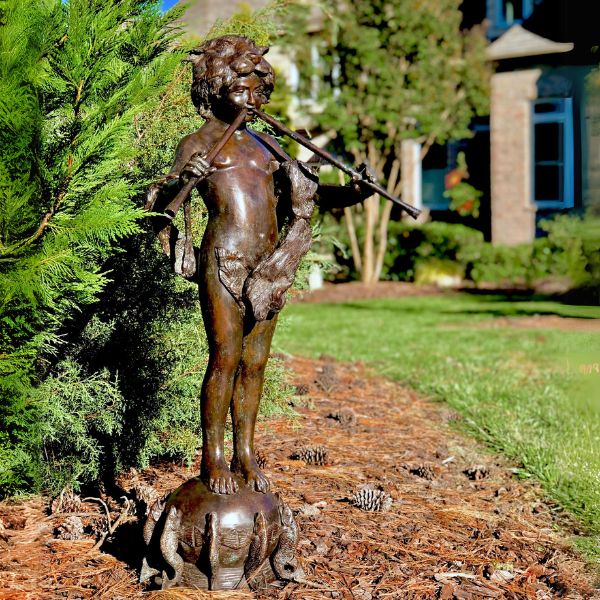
(102, 348)
(74, 76)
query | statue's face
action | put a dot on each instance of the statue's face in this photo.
(246, 92)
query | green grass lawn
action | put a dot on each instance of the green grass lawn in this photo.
(520, 390)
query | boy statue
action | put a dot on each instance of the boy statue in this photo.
(259, 204)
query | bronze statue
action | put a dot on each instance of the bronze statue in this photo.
(243, 267)
(218, 530)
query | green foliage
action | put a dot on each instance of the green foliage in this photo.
(261, 25)
(95, 98)
(74, 77)
(392, 71)
(502, 265)
(400, 69)
(62, 430)
(77, 414)
(570, 251)
(410, 244)
(578, 240)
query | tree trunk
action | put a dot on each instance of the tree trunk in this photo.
(394, 185)
(351, 229)
(369, 256)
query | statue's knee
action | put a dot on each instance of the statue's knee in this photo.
(226, 361)
(254, 364)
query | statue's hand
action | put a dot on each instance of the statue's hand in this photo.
(156, 189)
(196, 167)
(359, 183)
(152, 195)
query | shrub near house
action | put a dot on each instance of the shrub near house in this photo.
(570, 251)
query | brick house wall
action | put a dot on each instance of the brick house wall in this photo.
(592, 116)
(513, 212)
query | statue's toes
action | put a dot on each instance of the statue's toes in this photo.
(232, 486)
(223, 485)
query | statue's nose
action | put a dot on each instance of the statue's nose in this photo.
(252, 101)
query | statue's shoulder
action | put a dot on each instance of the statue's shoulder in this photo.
(268, 139)
(270, 142)
(197, 141)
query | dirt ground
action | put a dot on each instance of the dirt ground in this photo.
(460, 524)
(356, 290)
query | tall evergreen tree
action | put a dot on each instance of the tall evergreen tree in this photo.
(73, 77)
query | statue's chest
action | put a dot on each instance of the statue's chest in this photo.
(242, 150)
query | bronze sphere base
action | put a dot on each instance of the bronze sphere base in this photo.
(198, 539)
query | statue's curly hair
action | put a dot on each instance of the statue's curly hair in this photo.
(217, 63)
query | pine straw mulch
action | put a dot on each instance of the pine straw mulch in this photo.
(459, 526)
(357, 290)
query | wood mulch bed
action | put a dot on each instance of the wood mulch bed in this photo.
(460, 524)
(356, 290)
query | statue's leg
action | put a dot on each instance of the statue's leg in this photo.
(224, 330)
(246, 396)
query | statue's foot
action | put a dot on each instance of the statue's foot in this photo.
(251, 473)
(219, 479)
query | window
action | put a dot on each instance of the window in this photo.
(507, 13)
(434, 169)
(553, 153)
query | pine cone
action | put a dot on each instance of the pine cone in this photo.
(477, 472)
(312, 455)
(326, 379)
(261, 459)
(345, 416)
(426, 471)
(301, 389)
(98, 526)
(70, 529)
(369, 498)
(68, 501)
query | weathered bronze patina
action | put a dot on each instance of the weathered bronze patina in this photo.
(200, 539)
(225, 529)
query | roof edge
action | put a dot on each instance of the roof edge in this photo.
(518, 42)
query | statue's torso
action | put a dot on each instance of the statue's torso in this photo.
(240, 195)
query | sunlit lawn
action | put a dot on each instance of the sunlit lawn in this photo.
(520, 390)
